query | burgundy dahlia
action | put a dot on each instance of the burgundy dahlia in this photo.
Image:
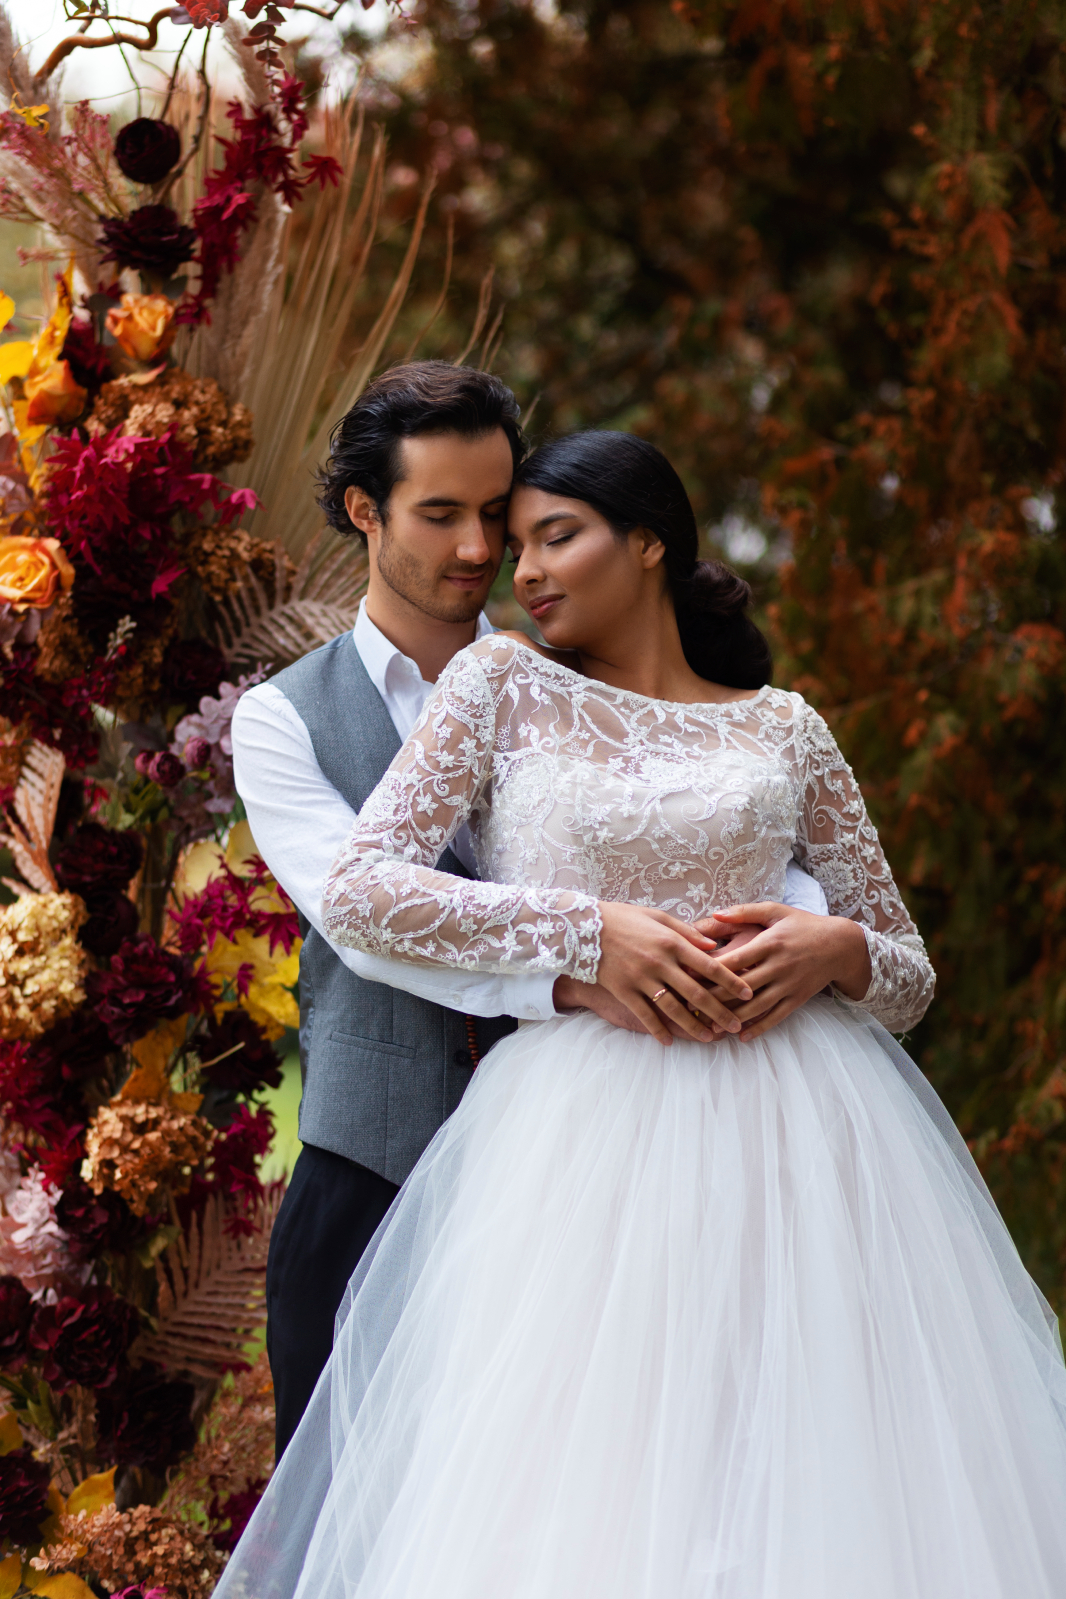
(72, 1050)
(239, 1055)
(16, 1313)
(23, 1497)
(144, 1419)
(237, 1510)
(97, 857)
(146, 149)
(96, 1223)
(83, 1338)
(192, 668)
(150, 240)
(144, 985)
(112, 918)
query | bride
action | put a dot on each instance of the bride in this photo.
(732, 1317)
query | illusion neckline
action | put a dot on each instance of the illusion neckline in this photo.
(701, 706)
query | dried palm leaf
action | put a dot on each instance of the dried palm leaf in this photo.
(36, 799)
(297, 383)
(212, 1293)
(255, 626)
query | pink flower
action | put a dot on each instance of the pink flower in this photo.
(209, 730)
(33, 1246)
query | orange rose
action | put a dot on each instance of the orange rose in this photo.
(143, 325)
(31, 571)
(53, 396)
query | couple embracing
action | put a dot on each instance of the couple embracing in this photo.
(628, 1256)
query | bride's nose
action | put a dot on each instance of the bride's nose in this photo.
(529, 569)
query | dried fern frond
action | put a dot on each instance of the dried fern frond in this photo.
(212, 1293)
(36, 799)
(255, 626)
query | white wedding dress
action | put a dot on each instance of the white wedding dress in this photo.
(735, 1321)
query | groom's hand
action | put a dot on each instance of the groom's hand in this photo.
(570, 995)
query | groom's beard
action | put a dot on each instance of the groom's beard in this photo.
(428, 590)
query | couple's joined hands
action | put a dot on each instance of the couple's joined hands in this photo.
(743, 970)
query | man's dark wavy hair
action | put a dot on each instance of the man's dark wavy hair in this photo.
(406, 402)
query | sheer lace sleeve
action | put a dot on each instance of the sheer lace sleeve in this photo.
(838, 844)
(382, 894)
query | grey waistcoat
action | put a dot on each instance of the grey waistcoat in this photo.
(381, 1069)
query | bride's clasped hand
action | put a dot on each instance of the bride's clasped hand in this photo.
(657, 966)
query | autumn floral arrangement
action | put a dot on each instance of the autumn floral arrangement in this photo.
(148, 961)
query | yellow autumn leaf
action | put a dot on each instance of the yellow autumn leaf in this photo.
(10, 1433)
(15, 358)
(240, 845)
(147, 1083)
(61, 1585)
(93, 1494)
(199, 863)
(7, 309)
(189, 1103)
(277, 1004)
(29, 433)
(53, 335)
(34, 116)
(10, 1576)
(150, 1077)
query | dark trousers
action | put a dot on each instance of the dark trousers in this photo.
(331, 1211)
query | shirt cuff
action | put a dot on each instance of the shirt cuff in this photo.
(529, 999)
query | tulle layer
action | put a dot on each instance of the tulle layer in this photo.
(730, 1321)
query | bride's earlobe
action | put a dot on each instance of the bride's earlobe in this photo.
(652, 548)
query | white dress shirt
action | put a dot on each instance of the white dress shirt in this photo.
(300, 822)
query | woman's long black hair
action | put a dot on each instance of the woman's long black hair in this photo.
(632, 485)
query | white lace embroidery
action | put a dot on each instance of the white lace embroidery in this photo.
(576, 792)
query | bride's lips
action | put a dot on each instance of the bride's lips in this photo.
(543, 604)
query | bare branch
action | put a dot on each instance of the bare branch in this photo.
(78, 41)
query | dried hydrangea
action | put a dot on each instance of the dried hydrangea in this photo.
(63, 651)
(42, 964)
(142, 1545)
(195, 410)
(221, 556)
(136, 1147)
(235, 1451)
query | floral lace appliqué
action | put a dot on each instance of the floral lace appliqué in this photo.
(576, 792)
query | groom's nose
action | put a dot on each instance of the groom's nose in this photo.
(473, 545)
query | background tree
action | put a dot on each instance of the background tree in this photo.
(816, 251)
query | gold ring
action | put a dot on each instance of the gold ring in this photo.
(659, 995)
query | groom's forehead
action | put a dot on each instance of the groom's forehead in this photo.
(454, 468)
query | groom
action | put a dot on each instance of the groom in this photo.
(421, 470)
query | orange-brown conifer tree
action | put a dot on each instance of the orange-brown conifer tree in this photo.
(816, 249)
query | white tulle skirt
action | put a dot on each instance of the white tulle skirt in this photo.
(736, 1321)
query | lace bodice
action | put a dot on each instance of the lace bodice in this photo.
(577, 792)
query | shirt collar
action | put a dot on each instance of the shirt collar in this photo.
(378, 653)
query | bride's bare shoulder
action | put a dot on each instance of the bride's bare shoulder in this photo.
(560, 657)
